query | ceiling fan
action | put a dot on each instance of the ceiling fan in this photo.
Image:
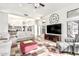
(37, 5)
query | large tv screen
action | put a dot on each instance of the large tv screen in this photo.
(54, 29)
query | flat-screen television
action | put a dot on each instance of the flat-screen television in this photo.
(54, 29)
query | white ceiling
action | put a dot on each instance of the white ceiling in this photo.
(28, 8)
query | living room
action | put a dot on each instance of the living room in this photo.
(39, 29)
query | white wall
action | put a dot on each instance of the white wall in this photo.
(63, 18)
(3, 22)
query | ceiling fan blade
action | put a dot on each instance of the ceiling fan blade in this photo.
(42, 4)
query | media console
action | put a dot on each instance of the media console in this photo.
(53, 38)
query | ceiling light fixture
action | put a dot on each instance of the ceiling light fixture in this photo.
(37, 5)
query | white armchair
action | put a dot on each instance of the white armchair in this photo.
(5, 35)
(62, 46)
(5, 48)
(66, 45)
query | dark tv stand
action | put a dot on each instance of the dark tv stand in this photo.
(53, 38)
